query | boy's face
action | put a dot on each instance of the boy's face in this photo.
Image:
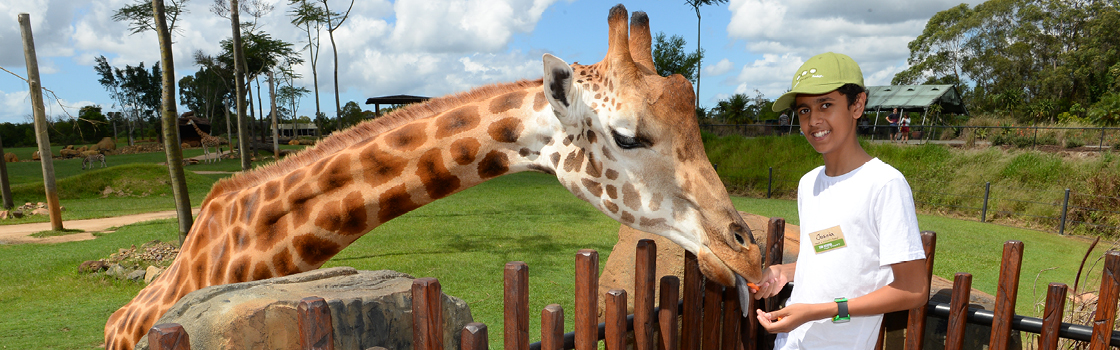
(827, 121)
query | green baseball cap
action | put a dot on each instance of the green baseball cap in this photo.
(819, 75)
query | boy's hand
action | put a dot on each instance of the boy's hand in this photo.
(772, 282)
(788, 318)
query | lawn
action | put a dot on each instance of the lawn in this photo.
(464, 240)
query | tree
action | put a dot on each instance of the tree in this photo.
(351, 115)
(135, 89)
(140, 17)
(310, 18)
(735, 109)
(335, 20)
(170, 118)
(670, 58)
(204, 91)
(696, 6)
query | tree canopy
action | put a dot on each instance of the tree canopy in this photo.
(669, 57)
(1030, 59)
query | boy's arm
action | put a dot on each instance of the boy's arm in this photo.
(907, 291)
(774, 278)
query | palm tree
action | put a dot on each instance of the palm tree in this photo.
(310, 19)
(696, 6)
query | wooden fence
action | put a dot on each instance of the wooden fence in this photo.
(709, 316)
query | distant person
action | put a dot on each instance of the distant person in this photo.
(861, 253)
(893, 120)
(904, 128)
(783, 123)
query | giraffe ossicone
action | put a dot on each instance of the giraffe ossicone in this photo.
(614, 133)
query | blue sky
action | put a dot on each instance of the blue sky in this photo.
(438, 47)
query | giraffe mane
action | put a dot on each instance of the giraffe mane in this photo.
(361, 132)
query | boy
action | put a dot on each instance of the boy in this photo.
(861, 253)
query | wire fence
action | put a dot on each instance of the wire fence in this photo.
(1022, 136)
(1058, 212)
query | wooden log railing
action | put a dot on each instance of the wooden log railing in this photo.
(709, 315)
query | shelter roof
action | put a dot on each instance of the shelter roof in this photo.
(396, 99)
(911, 97)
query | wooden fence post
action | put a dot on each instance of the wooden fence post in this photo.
(713, 297)
(168, 336)
(916, 323)
(691, 315)
(316, 331)
(427, 314)
(775, 251)
(667, 315)
(473, 337)
(616, 320)
(587, 301)
(516, 331)
(645, 275)
(1106, 302)
(552, 327)
(732, 314)
(958, 311)
(1052, 316)
(1006, 294)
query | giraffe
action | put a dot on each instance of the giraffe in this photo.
(207, 142)
(614, 133)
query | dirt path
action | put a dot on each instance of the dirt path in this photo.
(18, 234)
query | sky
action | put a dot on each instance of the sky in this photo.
(439, 47)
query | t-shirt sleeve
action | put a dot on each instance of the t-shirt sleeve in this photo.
(899, 238)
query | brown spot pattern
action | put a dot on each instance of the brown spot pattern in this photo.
(626, 217)
(613, 208)
(612, 191)
(505, 130)
(261, 271)
(555, 157)
(507, 102)
(271, 226)
(493, 164)
(456, 121)
(337, 175)
(437, 180)
(612, 174)
(539, 101)
(407, 138)
(345, 217)
(607, 154)
(465, 150)
(656, 224)
(574, 161)
(655, 202)
(394, 202)
(630, 196)
(315, 250)
(594, 167)
(593, 187)
(283, 263)
(379, 166)
(239, 271)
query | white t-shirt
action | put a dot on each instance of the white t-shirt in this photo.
(874, 209)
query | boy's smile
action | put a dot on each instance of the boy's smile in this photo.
(829, 125)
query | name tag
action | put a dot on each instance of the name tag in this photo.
(827, 239)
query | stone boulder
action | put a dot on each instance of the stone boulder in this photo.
(106, 144)
(618, 272)
(69, 153)
(368, 309)
(10, 157)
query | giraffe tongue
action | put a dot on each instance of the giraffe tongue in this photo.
(745, 299)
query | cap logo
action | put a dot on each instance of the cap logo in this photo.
(812, 71)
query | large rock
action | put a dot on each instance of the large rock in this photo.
(618, 273)
(368, 309)
(106, 144)
(10, 157)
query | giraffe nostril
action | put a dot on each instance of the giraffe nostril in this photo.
(739, 238)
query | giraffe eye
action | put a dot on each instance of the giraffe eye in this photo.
(628, 142)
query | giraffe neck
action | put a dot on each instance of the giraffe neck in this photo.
(295, 215)
(198, 130)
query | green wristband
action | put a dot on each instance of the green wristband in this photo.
(841, 311)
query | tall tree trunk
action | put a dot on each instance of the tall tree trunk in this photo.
(171, 144)
(35, 90)
(275, 126)
(334, 50)
(5, 186)
(254, 124)
(239, 81)
(314, 72)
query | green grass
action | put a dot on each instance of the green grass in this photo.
(464, 240)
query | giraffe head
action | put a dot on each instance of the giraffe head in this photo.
(630, 145)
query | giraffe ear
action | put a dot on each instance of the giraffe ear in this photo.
(559, 88)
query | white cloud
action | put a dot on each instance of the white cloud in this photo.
(463, 25)
(875, 33)
(15, 103)
(720, 68)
